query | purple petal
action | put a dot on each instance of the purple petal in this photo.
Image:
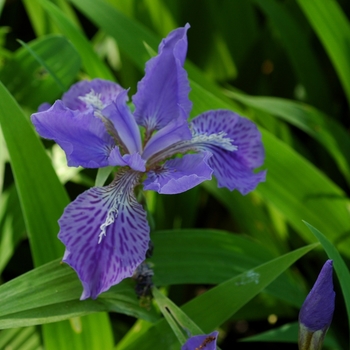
(134, 161)
(44, 107)
(180, 174)
(106, 91)
(317, 310)
(177, 130)
(83, 137)
(202, 342)
(106, 234)
(164, 88)
(217, 131)
(124, 123)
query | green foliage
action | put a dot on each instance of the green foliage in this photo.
(285, 65)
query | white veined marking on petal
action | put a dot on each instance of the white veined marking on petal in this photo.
(197, 142)
(93, 99)
(112, 214)
(219, 139)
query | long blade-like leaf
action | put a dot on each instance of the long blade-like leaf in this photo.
(333, 29)
(212, 308)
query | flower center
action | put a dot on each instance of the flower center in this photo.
(93, 99)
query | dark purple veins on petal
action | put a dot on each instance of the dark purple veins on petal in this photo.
(234, 168)
(99, 229)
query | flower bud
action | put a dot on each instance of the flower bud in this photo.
(316, 313)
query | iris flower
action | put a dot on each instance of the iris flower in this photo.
(105, 230)
(201, 342)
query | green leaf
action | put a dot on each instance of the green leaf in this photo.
(179, 322)
(36, 85)
(177, 319)
(54, 289)
(160, 15)
(2, 2)
(179, 259)
(113, 22)
(214, 307)
(94, 67)
(51, 293)
(12, 228)
(338, 263)
(333, 29)
(43, 64)
(102, 175)
(86, 333)
(20, 339)
(39, 20)
(35, 179)
(299, 51)
(288, 333)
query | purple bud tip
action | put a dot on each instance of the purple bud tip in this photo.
(317, 310)
(201, 342)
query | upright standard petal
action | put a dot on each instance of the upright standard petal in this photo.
(106, 234)
(165, 87)
(83, 137)
(124, 123)
(86, 95)
(236, 145)
(180, 174)
(201, 342)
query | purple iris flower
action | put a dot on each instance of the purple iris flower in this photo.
(201, 342)
(316, 313)
(105, 229)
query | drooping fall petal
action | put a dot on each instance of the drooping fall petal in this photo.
(83, 137)
(106, 234)
(216, 131)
